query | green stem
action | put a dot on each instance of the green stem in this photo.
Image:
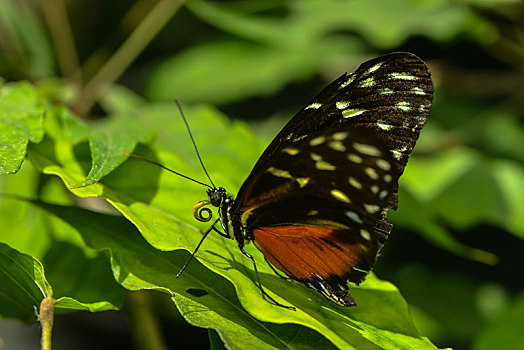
(126, 54)
(46, 316)
(144, 326)
(55, 14)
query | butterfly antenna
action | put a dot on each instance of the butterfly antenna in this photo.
(193, 141)
(163, 167)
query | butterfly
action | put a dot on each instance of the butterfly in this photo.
(315, 202)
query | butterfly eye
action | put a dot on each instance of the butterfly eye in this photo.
(200, 213)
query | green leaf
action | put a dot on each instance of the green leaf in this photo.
(427, 224)
(20, 122)
(510, 179)
(382, 319)
(81, 277)
(506, 331)
(428, 177)
(22, 284)
(107, 140)
(308, 24)
(245, 70)
(66, 304)
(24, 34)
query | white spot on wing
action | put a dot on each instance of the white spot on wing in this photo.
(314, 105)
(418, 91)
(348, 81)
(384, 125)
(351, 113)
(366, 83)
(403, 106)
(353, 216)
(371, 208)
(402, 76)
(383, 164)
(386, 91)
(375, 68)
(342, 104)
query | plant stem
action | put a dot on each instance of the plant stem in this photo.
(46, 315)
(126, 54)
(55, 13)
(144, 327)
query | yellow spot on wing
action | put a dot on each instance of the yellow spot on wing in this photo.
(372, 173)
(383, 164)
(339, 136)
(367, 149)
(354, 158)
(291, 151)
(354, 182)
(365, 234)
(302, 181)
(317, 140)
(371, 208)
(339, 195)
(315, 157)
(337, 146)
(323, 165)
(351, 113)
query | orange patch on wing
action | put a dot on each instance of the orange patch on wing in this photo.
(302, 252)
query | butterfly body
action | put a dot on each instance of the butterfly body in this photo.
(315, 203)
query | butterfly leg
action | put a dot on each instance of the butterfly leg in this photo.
(198, 246)
(264, 294)
(276, 271)
(219, 232)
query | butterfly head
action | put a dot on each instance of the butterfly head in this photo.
(217, 197)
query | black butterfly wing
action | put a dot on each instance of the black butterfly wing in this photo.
(315, 202)
(322, 222)
(390, 95)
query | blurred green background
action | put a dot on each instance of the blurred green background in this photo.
(456, 250)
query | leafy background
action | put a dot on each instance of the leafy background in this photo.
(85, 81)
